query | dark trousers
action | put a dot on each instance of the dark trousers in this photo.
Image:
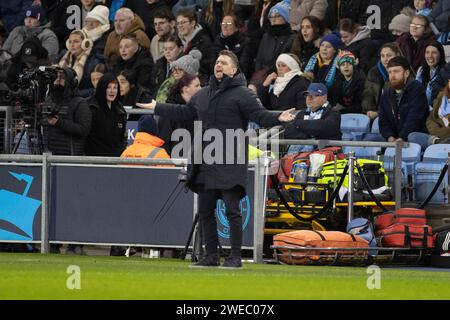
(207, 206)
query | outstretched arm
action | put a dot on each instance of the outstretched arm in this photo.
(176, 112)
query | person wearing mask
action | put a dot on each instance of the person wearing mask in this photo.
(307, 41)
(377, 79)
(173, 50)
(224, 104)
(323, 65)
(403, 105)
(284, 89)
(107, 137)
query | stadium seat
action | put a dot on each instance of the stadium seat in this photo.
(410, 157)
(364, 152)
(354, 126)
(428, 171)
(375, 126)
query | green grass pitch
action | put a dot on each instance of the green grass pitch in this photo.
(36, 276)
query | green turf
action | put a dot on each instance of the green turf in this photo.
(35, 276)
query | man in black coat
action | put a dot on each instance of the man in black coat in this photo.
(70, 122)
(319, 120)
(224, 104)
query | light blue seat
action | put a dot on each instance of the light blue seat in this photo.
(354, 126)
(363, 152)
(375, 126)
(428, 171)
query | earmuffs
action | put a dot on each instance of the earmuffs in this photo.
(86, 43)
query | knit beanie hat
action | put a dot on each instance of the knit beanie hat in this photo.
(100, 14)
(148, 125)
(400, 23)
(346, 56)
(289, 60)
(282, 8)
(36, 12)
(189, 63)
(334, 39)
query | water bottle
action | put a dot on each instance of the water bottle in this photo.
(300, 172)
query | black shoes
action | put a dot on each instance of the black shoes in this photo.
(232, 263)
(210, 261)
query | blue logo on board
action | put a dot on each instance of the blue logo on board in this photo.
(17, 211)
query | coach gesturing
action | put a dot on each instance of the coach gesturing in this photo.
(224, 104)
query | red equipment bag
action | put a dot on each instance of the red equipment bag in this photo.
(406, 236)
(409, 216)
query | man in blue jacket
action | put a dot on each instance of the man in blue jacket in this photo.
(403, 106)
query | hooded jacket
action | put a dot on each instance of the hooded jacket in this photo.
(137, 28)
(221, 105)
(108, 132)
(363, 49)
(69, 135)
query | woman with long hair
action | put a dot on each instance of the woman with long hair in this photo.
(433, 61)
(212, 16)
(307, 41)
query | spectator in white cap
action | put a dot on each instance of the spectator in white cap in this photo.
(189, 63)
(284, 89)
(35, 25)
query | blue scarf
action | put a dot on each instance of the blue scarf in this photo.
(329, 79)
(428, 89)
(382, 70)
(444, 108)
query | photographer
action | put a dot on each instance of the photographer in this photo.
(69, 121)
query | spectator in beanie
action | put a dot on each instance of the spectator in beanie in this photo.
(189, 63)
(400, 23)
(323, 65)
(284, 89)
(346, 93)
(277, 40)
(35, 25)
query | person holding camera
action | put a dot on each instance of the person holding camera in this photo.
(68, 118)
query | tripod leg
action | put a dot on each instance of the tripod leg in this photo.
(191, 233)
(22, 132)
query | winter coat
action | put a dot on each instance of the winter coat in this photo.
(277, 40)
(142, 65)
(306, 51)
(435, 125)
(145, 146)
(350, 96)
(327, 127)
(19, 34)
(159, 75)
(13, 12)
(237, 43)
(410, 114)
(351, 9)
(441, 80)
(225, 105)
(108, 131)
(112, 43)
(373, 88)
(414, 51)
(439, 15)
(291, 97)
(304, 8)
(95, 57)
(202, 42)
(363, 49)
(69, 135)
(136, 94)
